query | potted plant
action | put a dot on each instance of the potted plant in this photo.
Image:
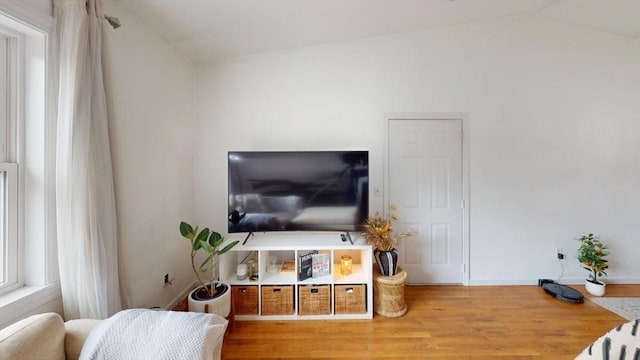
(378, 231)
(591, 254)
(211, 296)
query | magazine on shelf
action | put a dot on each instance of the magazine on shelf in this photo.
(320, 265)
(304, 265)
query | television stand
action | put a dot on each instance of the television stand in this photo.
(276, 293)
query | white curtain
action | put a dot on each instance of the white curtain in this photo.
(85, 200)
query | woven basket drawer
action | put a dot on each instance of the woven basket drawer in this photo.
(245, 299)
(314, 300)
(350, 299)
(277, 300)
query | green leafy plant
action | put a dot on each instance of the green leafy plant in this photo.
(208, 241)
(591, 255)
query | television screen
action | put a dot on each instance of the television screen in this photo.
(291, 191)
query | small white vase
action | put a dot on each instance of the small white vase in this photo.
(220, 305)
(595, 289)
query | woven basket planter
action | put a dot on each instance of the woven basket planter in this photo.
(388, 294)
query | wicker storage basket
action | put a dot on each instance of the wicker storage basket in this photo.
(388, 293)
(314, 299)
(277, 300)
(245, 299)
(350, 299)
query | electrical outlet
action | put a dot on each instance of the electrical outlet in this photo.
(559, 253)
(167, 281)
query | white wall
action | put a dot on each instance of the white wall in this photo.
(151, 102)
(554, 122)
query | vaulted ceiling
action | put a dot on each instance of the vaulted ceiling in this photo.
(208, 30)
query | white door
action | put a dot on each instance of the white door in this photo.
(425, 182)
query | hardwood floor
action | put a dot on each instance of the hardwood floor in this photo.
(454, 322)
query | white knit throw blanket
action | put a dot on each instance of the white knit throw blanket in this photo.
(146, 334)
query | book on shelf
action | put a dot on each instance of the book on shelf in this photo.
(304, 265)
(320, 265)
(288, 266)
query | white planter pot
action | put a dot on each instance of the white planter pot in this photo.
(595, 289)
(220, 305)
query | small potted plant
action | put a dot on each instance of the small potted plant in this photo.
(378, 231)
(211, 296)
(591, 254)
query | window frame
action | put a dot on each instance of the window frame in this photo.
(11, 274)
(32, 159)
(11, 279)
(4, 92)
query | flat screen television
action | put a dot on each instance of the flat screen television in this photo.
(297, 190)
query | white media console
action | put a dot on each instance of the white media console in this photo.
(280, 295)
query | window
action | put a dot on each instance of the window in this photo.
(8, 167)
(28, 254)
(28, 262)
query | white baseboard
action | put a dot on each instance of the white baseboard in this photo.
(565, 281)
(180, 296)
(502, 282)
(620, 281)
